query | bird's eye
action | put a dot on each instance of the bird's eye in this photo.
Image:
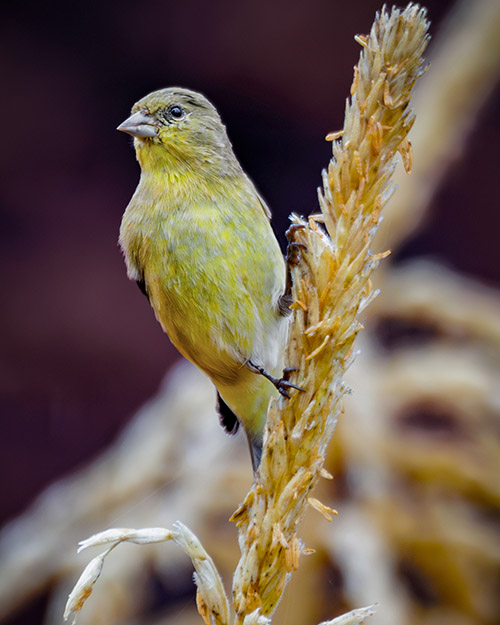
(176, 112)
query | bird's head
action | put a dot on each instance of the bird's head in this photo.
(177, 128)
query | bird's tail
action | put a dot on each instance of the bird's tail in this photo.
(255, 445)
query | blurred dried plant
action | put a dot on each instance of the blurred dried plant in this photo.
(465, 61)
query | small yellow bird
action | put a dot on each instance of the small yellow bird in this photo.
(197, 239)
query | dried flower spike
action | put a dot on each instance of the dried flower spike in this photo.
(84, 586)
(331, 288)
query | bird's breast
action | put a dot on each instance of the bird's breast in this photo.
(213, 272)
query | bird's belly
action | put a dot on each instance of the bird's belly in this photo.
(214, 287)
(199, 328)
(190, 337)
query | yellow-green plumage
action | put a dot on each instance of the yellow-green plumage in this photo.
(197, 235)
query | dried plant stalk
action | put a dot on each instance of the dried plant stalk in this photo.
(331, 288)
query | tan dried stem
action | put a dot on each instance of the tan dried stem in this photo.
(331, 288)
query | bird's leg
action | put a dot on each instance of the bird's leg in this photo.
(292, 257)
(282, 384)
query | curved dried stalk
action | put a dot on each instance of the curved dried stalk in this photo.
(211, 599)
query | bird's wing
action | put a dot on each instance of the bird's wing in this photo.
(265, 207)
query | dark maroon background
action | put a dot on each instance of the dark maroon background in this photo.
(80, 348)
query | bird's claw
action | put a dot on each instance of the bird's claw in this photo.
(283, 385)
(287, 371)
(292, 230)
(292, 256)
(293, 252)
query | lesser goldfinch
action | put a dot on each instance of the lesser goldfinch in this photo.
(197, 238)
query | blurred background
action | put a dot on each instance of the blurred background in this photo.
(81, 351)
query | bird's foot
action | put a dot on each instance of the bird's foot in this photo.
(292, 256)
(282, 384)
(287, 371)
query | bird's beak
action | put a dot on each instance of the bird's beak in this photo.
(139, 125)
